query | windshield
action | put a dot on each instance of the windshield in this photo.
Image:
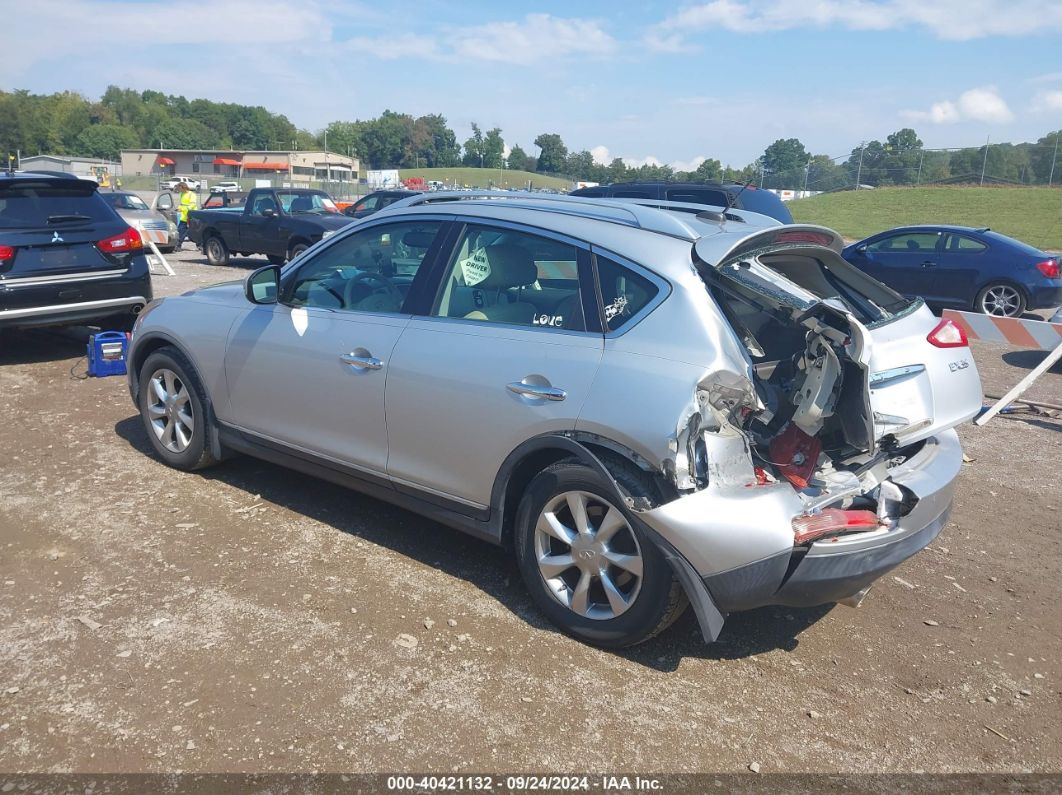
(306, 202)
(124, 201)
(32, 205)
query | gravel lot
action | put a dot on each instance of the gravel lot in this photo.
(252, 619)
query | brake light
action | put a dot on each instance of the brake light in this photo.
(948, 334)
(1049, 268)
(129, 240)
(832, 520)
(7, 253)
(798, 236)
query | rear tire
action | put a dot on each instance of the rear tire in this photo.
(1001, 300)
(297, 249)
(172, 405)
(275, 259)
(217, 253)
(618, 590)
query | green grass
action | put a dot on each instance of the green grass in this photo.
(1033, 215)
(485, 177)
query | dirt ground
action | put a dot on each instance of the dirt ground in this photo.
(249, 618)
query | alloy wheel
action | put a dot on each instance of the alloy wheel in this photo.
(1001, 301)
(588, 555)
(170, 411)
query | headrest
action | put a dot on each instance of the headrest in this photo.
(418, 238)
(498, 267)
(301, 203)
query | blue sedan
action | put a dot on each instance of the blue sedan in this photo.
(961, 268)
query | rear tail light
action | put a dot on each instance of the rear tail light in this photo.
(948, 334)
(7, 255)
(832, 521)
(129, 240)
(804, 236)
(1049, 268)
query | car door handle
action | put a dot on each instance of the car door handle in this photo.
(928, 264)
(361, 362)
(536, 391)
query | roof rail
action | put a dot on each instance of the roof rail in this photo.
(618, 212)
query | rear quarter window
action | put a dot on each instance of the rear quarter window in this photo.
(624, 293)
(716, 198)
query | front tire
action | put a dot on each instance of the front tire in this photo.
(595, 574)
(172, 406)
(1001, 300)
(217, 253)
(297, 249)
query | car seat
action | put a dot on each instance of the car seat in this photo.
(301, 204)
(507, 267)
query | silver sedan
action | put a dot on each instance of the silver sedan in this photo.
(651, 405)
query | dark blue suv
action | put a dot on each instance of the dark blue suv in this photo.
(743, 197)
(66, 256)
(961, 268)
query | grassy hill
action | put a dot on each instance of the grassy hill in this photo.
(1033, 215)
(485, 177)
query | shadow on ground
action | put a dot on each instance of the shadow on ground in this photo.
(1030, 359)
(25, 346)
(491, 569)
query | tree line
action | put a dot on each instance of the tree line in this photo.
(67, 123)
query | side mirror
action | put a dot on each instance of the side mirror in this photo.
(861, 251)
(268, 212)
(164, 202)
(263, 285)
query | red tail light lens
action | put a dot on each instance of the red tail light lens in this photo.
(129, 240)
(7, 253)
(948, 334)
(831, 521)
(1049, 268)
(802, 236)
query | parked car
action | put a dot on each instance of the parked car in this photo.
(225, 187)
(151, 224)
(744, 197)
(173, 182)
(376, 201)
(279, 223)
(770, 426)
(66, 256)
(962, 268)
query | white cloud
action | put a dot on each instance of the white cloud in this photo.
(687, 165)
(955, 20)
(601, 155)
(977, 104)
(1047, 102)
(391, 48)
(633, 162)
(537, 37)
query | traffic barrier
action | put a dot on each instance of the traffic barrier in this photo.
(1008, 330)
(1013, 331)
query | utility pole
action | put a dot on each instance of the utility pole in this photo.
(859, 170)
(984, 164)
(918, 181)
(1054, 157)
(807, 170)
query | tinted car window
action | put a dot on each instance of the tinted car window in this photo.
(369, 271)
(590, 192)
(964, 244)
(631, 194)
(624, 293)
(512, 277)
(716, 198)
(908, 241)
(765, 203)
(124, 201)
(37, 204)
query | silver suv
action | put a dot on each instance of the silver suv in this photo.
(650, 406)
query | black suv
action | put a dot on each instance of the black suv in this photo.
(66, 256)
(715, 194)
(376, 201)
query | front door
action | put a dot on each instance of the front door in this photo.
(908, 262)
(310, 371)
(503, 356)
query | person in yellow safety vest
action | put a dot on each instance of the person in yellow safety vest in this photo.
(186, 204)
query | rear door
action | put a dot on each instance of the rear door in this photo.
(54, 233)
(503, 354)
(259, 232)
(908, 262)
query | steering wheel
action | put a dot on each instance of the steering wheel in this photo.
(385, 296)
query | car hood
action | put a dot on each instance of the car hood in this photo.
(222, 293)
(134, 217)
(337, 221)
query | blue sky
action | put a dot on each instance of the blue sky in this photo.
(669, 81)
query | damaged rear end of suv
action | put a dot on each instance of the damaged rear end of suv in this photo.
(827, 456)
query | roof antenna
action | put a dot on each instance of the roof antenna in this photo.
(731, 203)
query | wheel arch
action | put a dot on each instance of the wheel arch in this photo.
(986, 283)
(156, 341)
(297, 240)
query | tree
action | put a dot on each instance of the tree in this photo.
(617, 170)
(551, 158)
(785, 161)
(517, 160)
(435, 144)
(474, 151)
(580, 165)
(493, 149)
(708, 171)
(185, 134)
(105, 141)
(1044, 154)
